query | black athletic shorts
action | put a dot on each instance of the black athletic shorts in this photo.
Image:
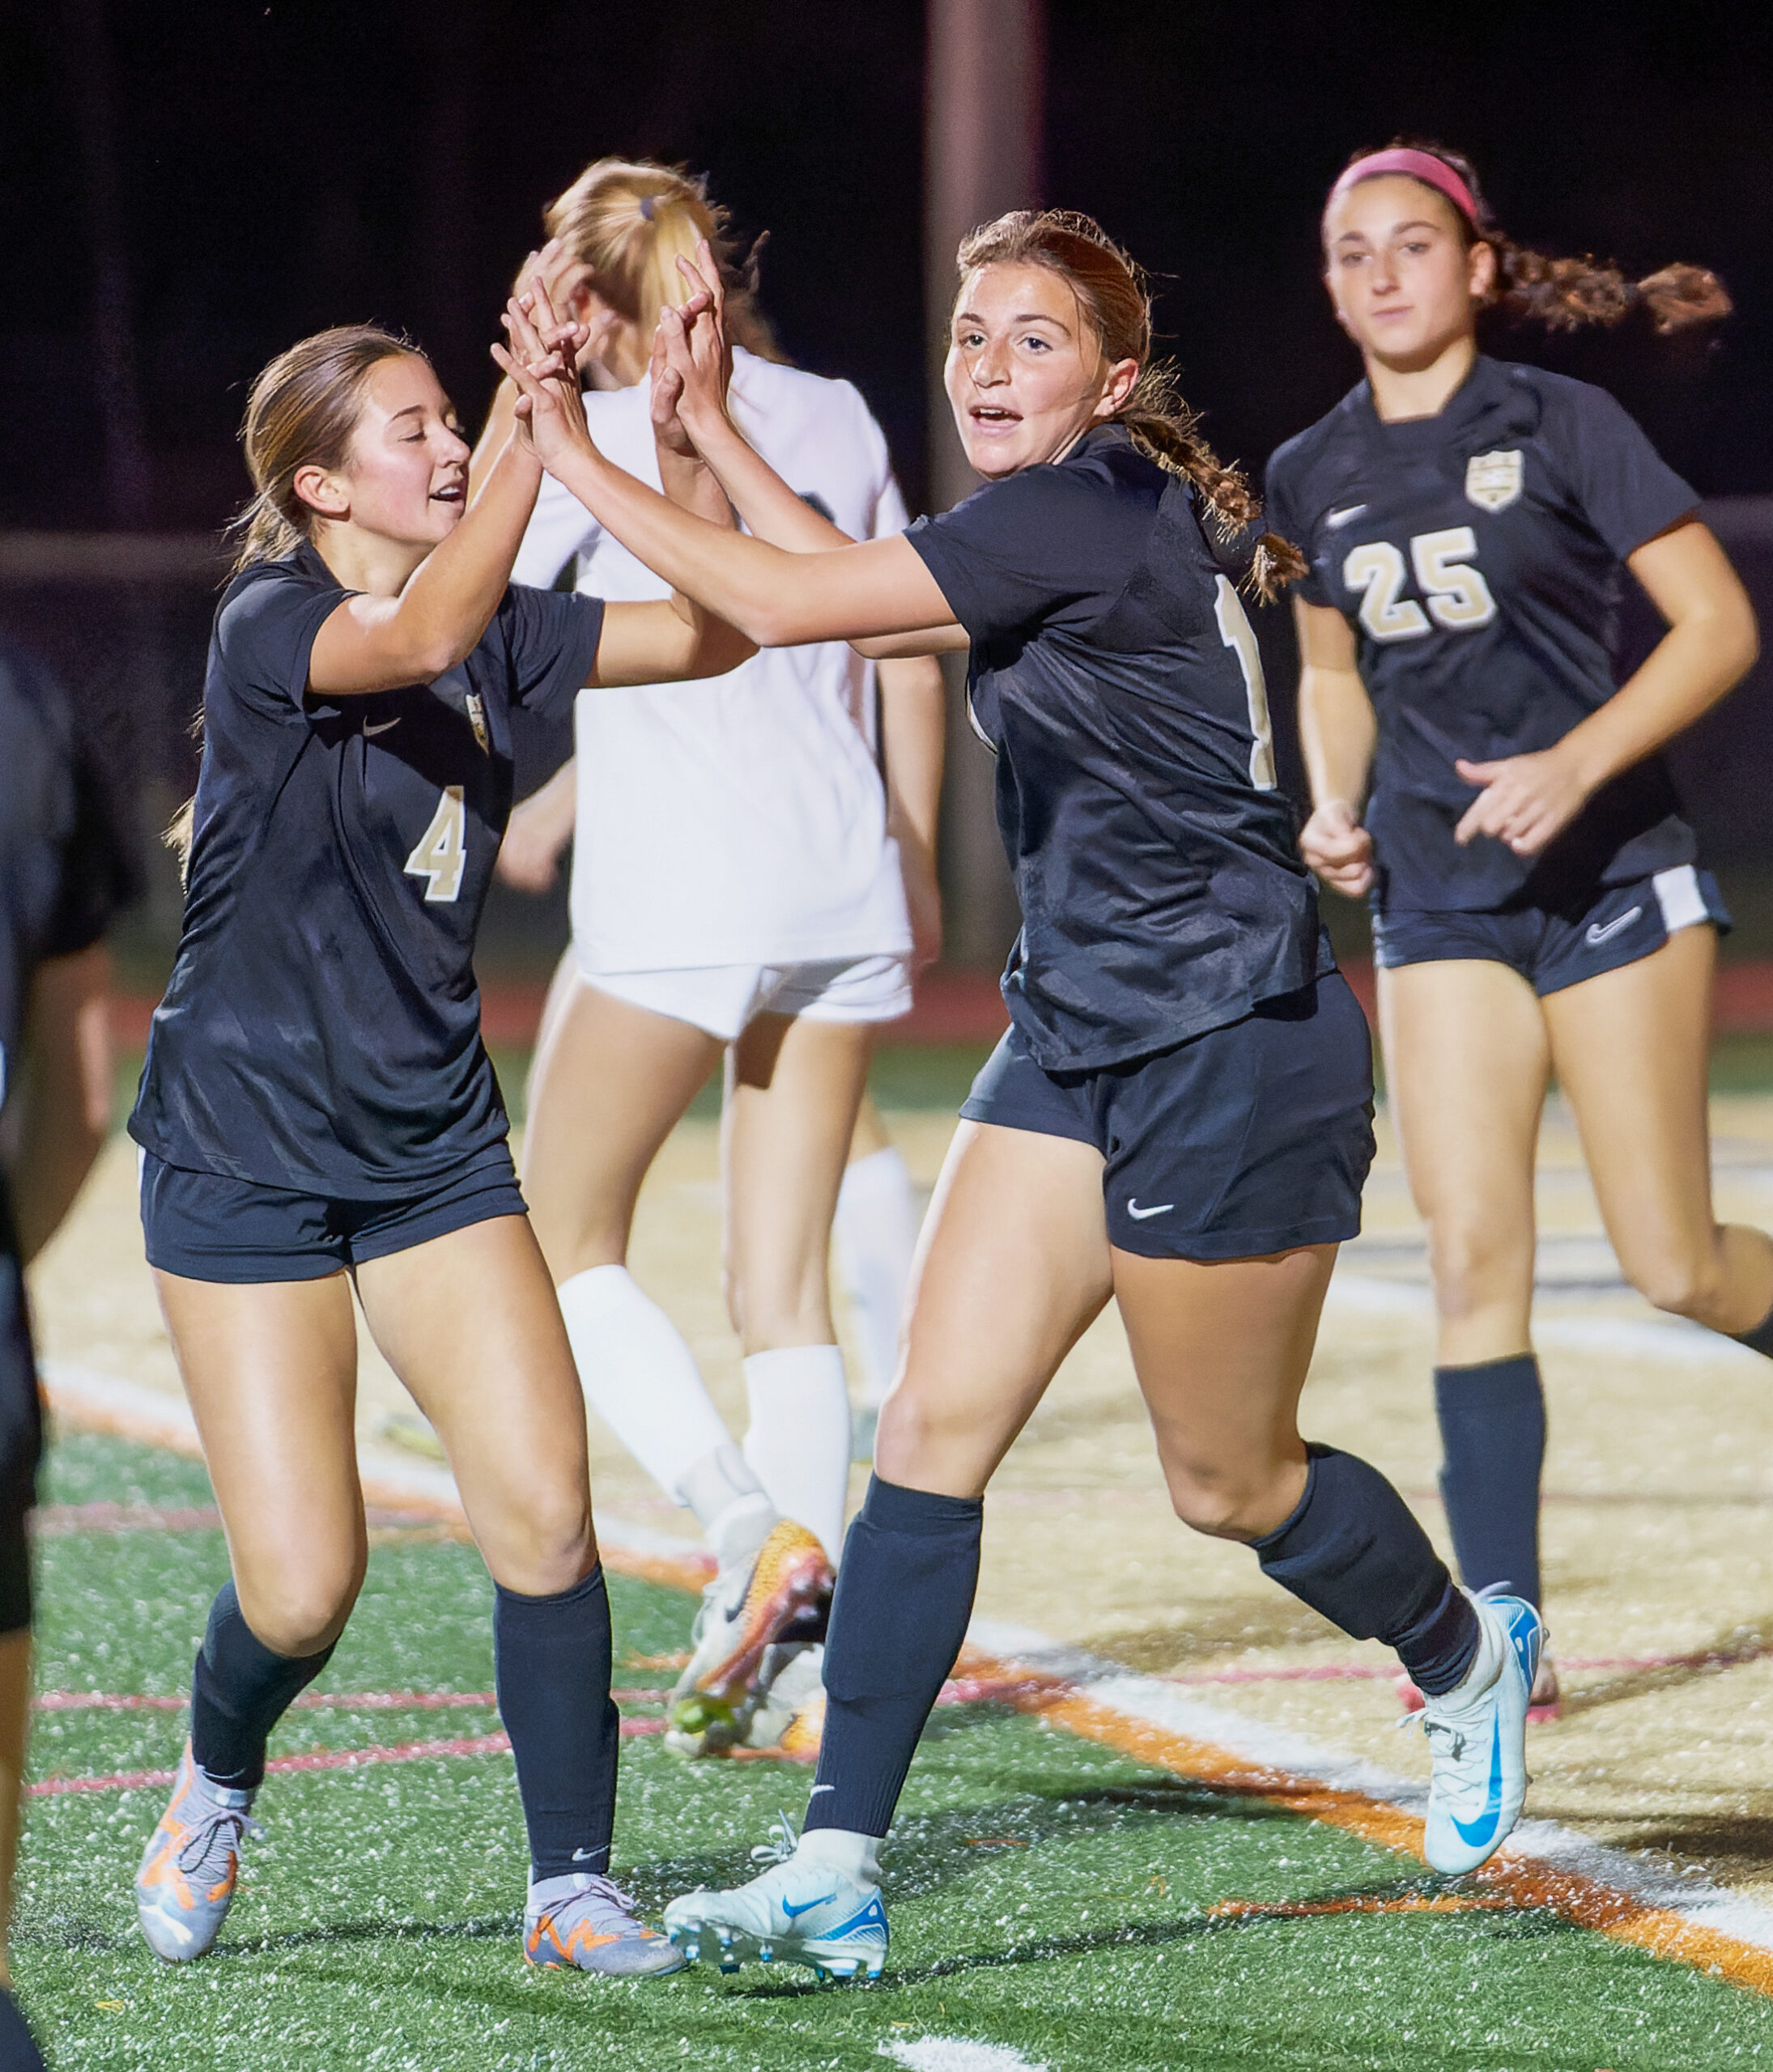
(207, 1227)
(1252, 1139)
(1551, 949)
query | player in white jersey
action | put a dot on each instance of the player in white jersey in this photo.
(742, 881)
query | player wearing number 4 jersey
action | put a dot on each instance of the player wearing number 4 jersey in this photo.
(1537, 902)
(1180, 1120)
(316, 1103)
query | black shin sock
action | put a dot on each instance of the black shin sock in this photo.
(1493, 1442)
(551, 1665)
(1354, 1551)
(904, 1593)
(239, 1692)
(1760, 1339)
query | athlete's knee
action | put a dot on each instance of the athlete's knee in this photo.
(1684, 1282)
(1475, 1268)
(546, 1548)
(1237, 1499)
(770, 1309)
(297, 1614)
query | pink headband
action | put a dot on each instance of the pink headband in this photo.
(1417, 165)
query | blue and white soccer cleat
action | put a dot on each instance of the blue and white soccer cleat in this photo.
(1477, 1738)
(800, 1911)
(189, 1868)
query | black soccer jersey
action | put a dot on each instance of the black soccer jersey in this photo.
(322, 1029)
(1477, 556)
(65, 866)
(1113, 670)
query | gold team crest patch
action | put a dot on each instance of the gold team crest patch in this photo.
(477, 716)
(1493, 481)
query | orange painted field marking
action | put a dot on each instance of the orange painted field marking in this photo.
(1521, 1882)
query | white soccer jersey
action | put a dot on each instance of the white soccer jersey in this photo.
(741, 819)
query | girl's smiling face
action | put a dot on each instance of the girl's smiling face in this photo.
(1405, 283)
(405, 476)
(1025, 373)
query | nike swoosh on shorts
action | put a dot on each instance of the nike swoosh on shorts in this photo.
(382, 726)
(1139, 1214)
(1598, 933)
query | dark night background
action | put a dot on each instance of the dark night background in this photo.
(280, 168)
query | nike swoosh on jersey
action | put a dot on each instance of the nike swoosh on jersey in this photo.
(1479, 1831)
(1139, 1214)
(1596, 933)
(1343, 516)
(382, 726)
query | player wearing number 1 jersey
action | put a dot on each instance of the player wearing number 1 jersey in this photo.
(1537, 904)
(1179, 1120)
(316, 1102)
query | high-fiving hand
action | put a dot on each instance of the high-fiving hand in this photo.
(541, 361)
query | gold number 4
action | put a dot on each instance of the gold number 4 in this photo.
(440, 853)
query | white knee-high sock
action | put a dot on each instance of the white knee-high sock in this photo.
(798, 1442)
(643, 1381)
(876, 1233)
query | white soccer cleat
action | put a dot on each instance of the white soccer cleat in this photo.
(800, 1911)
(790, 1716)
(1478, 1737)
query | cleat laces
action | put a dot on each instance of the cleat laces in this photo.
(781, 1846)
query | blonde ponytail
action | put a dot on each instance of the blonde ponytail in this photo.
(630, 221)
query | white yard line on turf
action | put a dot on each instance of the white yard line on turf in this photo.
(1152, 1702)
(957, 2054)
(1219, 1735)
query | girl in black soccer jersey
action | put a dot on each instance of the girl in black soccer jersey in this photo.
(316, 1102)
(1179, 1118)
(1536, 904)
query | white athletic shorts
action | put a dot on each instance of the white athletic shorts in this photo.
(722, 998)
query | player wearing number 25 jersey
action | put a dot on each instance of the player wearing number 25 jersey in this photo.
(1477, 768)
(1477, 555)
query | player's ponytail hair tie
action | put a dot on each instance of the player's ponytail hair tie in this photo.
(1562, 294)
(1110, 286)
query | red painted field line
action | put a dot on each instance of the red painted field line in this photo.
(346, 1702)
(1523, 1880)
(319, 1759)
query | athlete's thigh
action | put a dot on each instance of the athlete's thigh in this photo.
(1466, 1066)
(270, 1369)
(610, 1082)
(1013, 1266)
(1630, 1048)
(469, 1323)
(1221, 1349)
(793, 1087)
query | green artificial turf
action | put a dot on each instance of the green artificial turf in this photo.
(1046, 1894)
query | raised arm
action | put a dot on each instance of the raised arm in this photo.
(778, 599)
(378, 643)
(1710, 644)
(1336, 732)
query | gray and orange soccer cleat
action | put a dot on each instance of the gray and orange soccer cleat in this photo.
(1478, 1739)
(802, 1910)
(749, 1620)
(189, 1868)
(580, 1922)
